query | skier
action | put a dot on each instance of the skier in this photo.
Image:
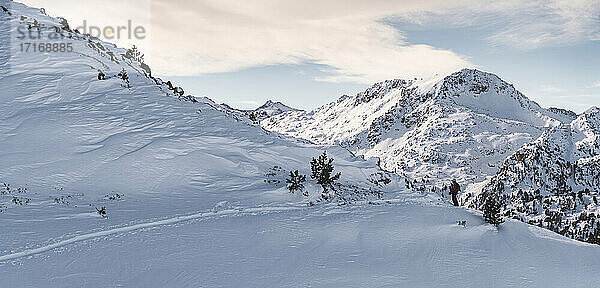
(454, 188)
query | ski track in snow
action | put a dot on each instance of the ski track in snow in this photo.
(173, 220)
(88, 236)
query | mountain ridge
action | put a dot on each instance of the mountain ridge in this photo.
(474, 127)
(86, 123)
(553, 182)
(127, 181)
(408, 109)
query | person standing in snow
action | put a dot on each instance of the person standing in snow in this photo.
(454, 189)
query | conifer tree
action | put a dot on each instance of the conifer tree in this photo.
(294, 182)
(491, 210)
(135, 54)
(322, 170)
(123, 75)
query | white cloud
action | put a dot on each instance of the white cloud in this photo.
(350, 36)
(221, 36)
(551, 23)
(193, 37)
(523, 25)
(596, 84)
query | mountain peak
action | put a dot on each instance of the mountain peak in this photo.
(475, 81)
(269, 109)
(270, 104)
(420, 126)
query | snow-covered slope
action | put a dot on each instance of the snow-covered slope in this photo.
(460, 126)
(182, 180)
(71, 143)
(409, 243)
(554, 182)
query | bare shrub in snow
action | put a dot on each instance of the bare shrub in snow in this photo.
(116, 196)
(272, 176)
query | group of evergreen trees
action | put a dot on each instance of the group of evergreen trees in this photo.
(322, 171)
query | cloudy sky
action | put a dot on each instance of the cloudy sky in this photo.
(307, 53)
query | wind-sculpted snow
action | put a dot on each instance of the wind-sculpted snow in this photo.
(153, 224)
(74, 133)
(397, 244)
(102, 177)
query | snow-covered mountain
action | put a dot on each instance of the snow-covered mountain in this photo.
(554, 182)
(194, 192)
(461, 126)
(269, 109)
(80, 128)
(472, 126)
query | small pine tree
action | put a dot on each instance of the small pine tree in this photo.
(102, 211)
(295, 181)
(123, 75)
(322, 170)
(135, 54)
(491, 210)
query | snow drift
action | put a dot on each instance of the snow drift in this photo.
(195, 193)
